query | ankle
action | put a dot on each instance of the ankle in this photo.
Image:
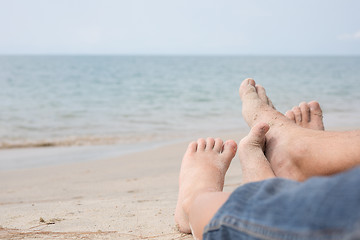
(286, 152)
(189, 200)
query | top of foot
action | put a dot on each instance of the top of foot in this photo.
(257, 107)
(282, 149)
(203, 169)
(307, 115)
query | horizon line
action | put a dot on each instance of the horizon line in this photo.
(175, 55)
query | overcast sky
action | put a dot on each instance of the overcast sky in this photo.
(281, 27)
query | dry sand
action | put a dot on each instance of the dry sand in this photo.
(129, 197)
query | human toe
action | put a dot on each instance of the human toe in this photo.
(290, 115)
(315, 108)
(297, 112)
(305, 112)
(218, 144)
(316, 116)
(201, 144)
(262, 93)
(229, 149)
(192, 147)
(257, 133)
(210, 142)
(247, 86)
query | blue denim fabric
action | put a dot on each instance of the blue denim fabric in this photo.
(320, 208)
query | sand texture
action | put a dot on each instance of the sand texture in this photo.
(129, 197)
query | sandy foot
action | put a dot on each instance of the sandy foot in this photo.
(307, 115)
(255, 166)
(281, 146)
(203, 169)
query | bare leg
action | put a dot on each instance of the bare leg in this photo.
(207, 202)
(203, 170)
(203, 210)
(295, 152)
(307, 115)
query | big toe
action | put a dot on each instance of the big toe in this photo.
(255, 166)
(290, 115)
(315, 108)
(247, 87)
(257, 133)
(229, 150)
(316, 115)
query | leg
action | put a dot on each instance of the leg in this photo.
(202, 171)
(207, 202)
(295, 152)
(203, 210)
(318, 209)
(307, 115)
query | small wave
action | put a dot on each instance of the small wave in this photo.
(84, 141)
(65, 142)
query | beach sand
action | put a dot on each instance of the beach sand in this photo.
(128, 197)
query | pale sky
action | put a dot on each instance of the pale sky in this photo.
(251, 27)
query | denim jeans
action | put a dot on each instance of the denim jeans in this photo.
(319, 208)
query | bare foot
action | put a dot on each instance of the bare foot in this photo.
(255, 166)
(282, 146)
(295, 152)
(307, 115)
(203, 169)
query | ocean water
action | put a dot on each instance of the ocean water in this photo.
(99, 100)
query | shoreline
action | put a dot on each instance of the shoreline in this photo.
(132, 196)
(35, 157)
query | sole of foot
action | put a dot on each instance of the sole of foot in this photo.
(203, 169)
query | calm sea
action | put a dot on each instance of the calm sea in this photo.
(87, 100)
